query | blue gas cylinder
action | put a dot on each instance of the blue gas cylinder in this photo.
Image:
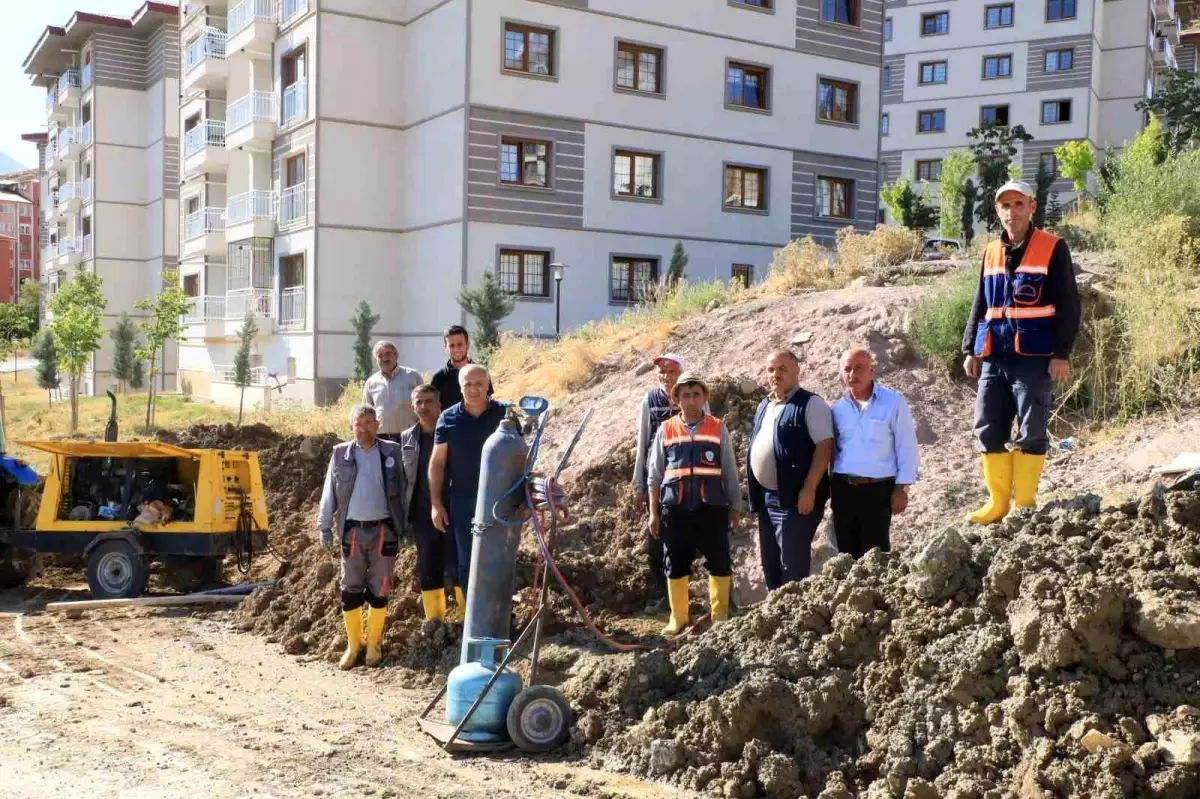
(489, 723)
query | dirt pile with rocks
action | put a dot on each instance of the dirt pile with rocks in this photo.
(1047, 656)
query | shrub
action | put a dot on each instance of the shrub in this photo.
(907, 207)
(957, 168)
(802, 264)
(939, 318)
(886, 245)
(1152, 184)
(1081, 229)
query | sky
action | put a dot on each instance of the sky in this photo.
(21, 24)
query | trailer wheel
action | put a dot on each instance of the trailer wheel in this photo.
(116, 570)
(539, 719)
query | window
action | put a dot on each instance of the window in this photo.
(1049, 162)
(525, 273)
(294, 66)
(192, 205)
(933, 72)
(529, 50)
(843, 12)
(929, 170)
(636, 175)
(295, 85)
(746, 85)
(886, 78)
(631, 278)
(1060, 60)
(293, 171)
(833, 197)
(1060, 9)
(765, 5)
(293, 200)
(745, 187)
(191, 285)
(997, 66)
(887, 29)
(931, 121)
(935, 24)
(998, 16)
(639, 68)
(837, 101)
(1056, 111)
(742, 273)
(525, 163)
(885, 124)
(993, 115)
(291, 271)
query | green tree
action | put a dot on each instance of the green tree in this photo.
(994, 147)
(124, 335)
(957, 168)
(1178, 102)
(15, 327)
(1109, 174)
(488, 305)
(137, 380)
(47, 358)
(1076, 160)
(966, 212)
(241, 361)
(29, 298)
(78, 327)
(1041, 193)
(679, 262)
(363, 322)
(164, 323)
(909, 208)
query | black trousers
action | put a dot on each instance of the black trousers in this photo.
(862, 515)
(654, 556)
(684, 532)
(437, 555)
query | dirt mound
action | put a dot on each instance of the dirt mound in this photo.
(1000, 662)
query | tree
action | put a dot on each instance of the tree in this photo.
(241, 361)
(957, 168)
(47, 357)
(78, 327)
(164, 323)
(994, 147)
(14, 328)
(1178, 102)
(29, 298)
(1109, 174)
(124, 335)
(679, 262)
(363, 322)
(1076, 160)
(137, 379)
(488, 304)
(910, 208)
(966, 213)
(1041, 193)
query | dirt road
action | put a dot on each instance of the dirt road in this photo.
(165, 704)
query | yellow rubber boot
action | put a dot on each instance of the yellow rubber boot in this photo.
(677, 595)
(718, 597)
(353, 620)
(1027, 473)
(998, 477)
(375, 619)
(434, 603)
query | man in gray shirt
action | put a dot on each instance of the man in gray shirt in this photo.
(389, 392)
(363, 500)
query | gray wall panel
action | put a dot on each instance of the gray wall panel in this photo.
(171, 168)
(891, 162)
(1031, 153)
(862, 44)
(1080, 76)
(806, 168)
(894, 92)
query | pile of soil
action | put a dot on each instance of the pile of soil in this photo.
(1052, 655)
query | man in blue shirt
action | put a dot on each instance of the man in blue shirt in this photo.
(874, 459)
(458, 441)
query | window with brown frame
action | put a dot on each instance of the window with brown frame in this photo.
(843, 12)
(834, 197)
(639, 68)
(525, 273)
(742, 273)
(291, 271)
(763, 4)
(837, 101)
(528, 49)
(294, 66)
(636, 175)
(191, 285)
(746, 86)
(930, 170)
(1049, 162)
(935, 24)
(293, 170)
(631, 278)
(525, 163)
(746, 188)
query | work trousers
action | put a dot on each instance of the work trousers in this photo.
(462, 512)
(368, 553)
(785, 540)
(437, 555)
(684, 532)
(1016, 387)
(655, 557)
(862, 515)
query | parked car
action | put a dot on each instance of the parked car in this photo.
(936, 247)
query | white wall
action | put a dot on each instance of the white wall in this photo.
(122, 116)
(964, 73)
(967, 26)
(433, 68)
(362, 65)
(715, 16)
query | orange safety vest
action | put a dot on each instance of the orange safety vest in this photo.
(1018, 319)
(693, 474)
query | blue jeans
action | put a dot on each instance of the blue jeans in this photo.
(1016, 387)
(462, 510)
(785, 540)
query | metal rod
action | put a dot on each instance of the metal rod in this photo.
(537, 629)
(441, 692)
(562, 462)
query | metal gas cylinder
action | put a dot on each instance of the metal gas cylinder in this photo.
(482, 657)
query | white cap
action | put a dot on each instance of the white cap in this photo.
(1017, 186)
(670, 356)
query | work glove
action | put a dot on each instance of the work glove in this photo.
(327, 540)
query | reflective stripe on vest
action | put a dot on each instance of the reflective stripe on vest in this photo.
(692, 475)
(1018, 320)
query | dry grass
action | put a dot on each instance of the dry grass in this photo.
(886, 245)
(802, 264)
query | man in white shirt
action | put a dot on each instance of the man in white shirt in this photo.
(389, 392)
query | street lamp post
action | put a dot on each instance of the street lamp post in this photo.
(556, 271)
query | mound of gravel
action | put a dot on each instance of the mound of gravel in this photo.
(1007, 662)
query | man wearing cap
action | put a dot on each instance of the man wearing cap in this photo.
(694, 496)
(1018, 341)
(656, 409)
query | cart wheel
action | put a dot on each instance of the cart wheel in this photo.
(539, 719)
(116, 571)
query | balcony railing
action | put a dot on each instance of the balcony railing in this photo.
(85, 190)
(205, 309)
(87, 246)
(289, 9)
(211, 44)
(253, 107)
(69, 244)
(293, 204)
(87, 75)
(227, 373)
(251, 205)
(295, 101)
(68, 79)
(51, 96)
(291, 308)
(51, 251)
(68, 192)
(26, 265)
(66, 138)
(203, 222)
(239, 302)
(210, 133)
(248, 12)
(85, 134)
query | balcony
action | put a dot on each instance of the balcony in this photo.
(69, 148)
(203, 233)
(70, 251)
(243, 301)
(205, 317)
(1163, 53)
(204, 64)
(291, 308)
(204, 148)
(85, 191)
(291, 10)
(1164, 10)
(255, 210)
(88, 250)
(64, 97)
(86, 76)
(85, 134)
(250, 122)
(253, 27)
(69, 199)
(293, 206)
(295, 102)
(25, 265)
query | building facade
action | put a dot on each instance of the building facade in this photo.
(394, 151)
(1063, 69)
(20, 227)
(110, 179)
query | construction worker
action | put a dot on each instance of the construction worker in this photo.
(874, 457)
(458, 441)
(656, 408)
(363, 500)
(388, 391)
(435, 548)
(791, 445)
(458, 345)
(694, 497)
(1018, 342)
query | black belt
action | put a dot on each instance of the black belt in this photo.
(360, 523)
(855, 480)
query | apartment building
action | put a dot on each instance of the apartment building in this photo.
(110, 168)
(19, 229)
(1064, 69)
(396, 150)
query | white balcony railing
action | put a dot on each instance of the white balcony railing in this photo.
(211, 44)
(69, 244)
(291, 308)
(293, 204)
(253, 107)
(86, 75)
(68, 79)
(210, 133)
(87, 246)
(85, 134)
(239, 302)
(85, 190)
(68, 192)
(205, 309)
(50, 98)
(247, 12)
(51, 251)
(203, 222)
(249, 206)
(227, 373)
(288, 9)
(66, 138)
(295, 101)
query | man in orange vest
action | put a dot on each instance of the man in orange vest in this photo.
(694, 496)
(1018, 341)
